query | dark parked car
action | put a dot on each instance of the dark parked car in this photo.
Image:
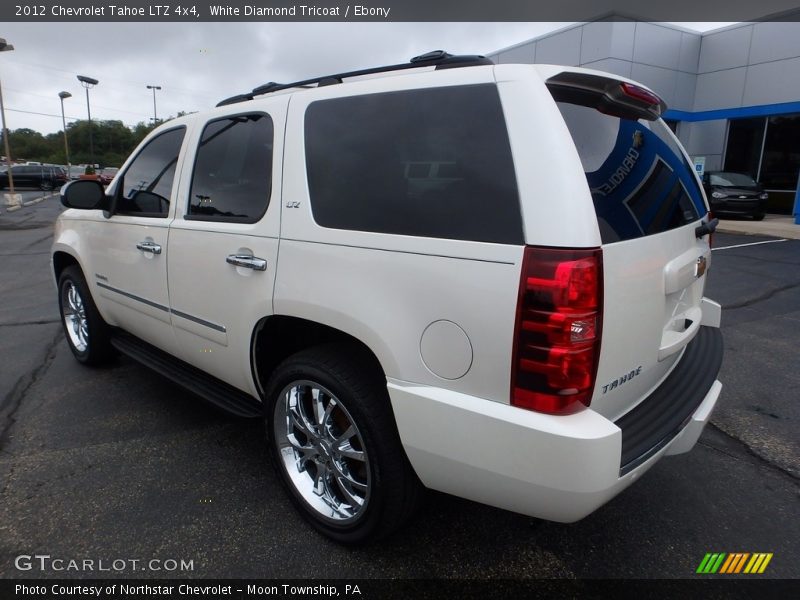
(107, 175)
(735, 193)
(44, 177)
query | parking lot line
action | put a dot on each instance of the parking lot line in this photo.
(750, 244)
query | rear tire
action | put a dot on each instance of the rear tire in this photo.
(87, 334)
(334, 444)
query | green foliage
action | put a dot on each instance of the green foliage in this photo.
(112, 142)
(26, 142)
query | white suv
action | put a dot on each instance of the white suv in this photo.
(482, 279)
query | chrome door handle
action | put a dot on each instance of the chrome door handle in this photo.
(247, 261)
(151, 247)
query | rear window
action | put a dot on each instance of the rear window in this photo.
(640, 181)
(431, 162)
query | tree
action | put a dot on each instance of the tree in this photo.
(113, 141)
(27, 144)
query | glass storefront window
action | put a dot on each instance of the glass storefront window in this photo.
(745, 137)
(781, 161)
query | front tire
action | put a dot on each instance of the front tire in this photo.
(335, 446)
(86, 332)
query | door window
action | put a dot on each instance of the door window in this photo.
(146, 185)
(232, 177)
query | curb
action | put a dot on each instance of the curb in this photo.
(780, 229)
(16, 207)
(32, 202)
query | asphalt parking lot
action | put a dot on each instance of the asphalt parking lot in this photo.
(121, 464)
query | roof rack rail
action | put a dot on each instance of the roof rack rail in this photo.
(437, 58)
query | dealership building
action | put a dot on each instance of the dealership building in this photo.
(733, 94)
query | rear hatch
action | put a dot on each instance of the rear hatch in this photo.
(648, 203)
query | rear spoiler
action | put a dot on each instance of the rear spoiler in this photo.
(606, 94)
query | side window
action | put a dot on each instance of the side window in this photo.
(431, 162)
(232, 178)
(146, 185)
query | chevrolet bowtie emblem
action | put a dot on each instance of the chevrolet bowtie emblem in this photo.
(700, 267)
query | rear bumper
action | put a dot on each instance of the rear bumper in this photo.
(559, 468)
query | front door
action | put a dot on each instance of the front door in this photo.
(130, 249)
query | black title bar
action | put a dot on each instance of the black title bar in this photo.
(394, 10)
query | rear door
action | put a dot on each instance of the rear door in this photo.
(224, 240)
(648, 203)
(24, 176)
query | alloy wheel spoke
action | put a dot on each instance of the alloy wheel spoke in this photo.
(300, 455)
(299, 422)
(343, 473)
(344, 486)
(301, 460)
(305, 449)
(71, 299)
(318, 408)
(320, 487)
(327, 415)
(347, 451)
(304, 398)
(343, 446)
(349, 432)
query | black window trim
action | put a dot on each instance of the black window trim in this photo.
(120, 184)
(229, 219)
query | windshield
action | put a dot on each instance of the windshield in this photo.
(732, 180)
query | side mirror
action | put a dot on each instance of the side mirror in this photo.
(85, 194)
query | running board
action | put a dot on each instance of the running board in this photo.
(220, 394)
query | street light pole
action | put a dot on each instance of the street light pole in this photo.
(5, 47)
(155, 114)
(89, 82)
(63, 96)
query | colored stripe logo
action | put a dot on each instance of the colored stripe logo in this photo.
(734, 563)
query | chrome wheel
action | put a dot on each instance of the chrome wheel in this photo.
(322, 452)
(75, 321)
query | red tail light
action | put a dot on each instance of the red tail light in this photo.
(635, 91)
(558, 329)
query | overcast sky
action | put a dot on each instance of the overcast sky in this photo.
(198, 64)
